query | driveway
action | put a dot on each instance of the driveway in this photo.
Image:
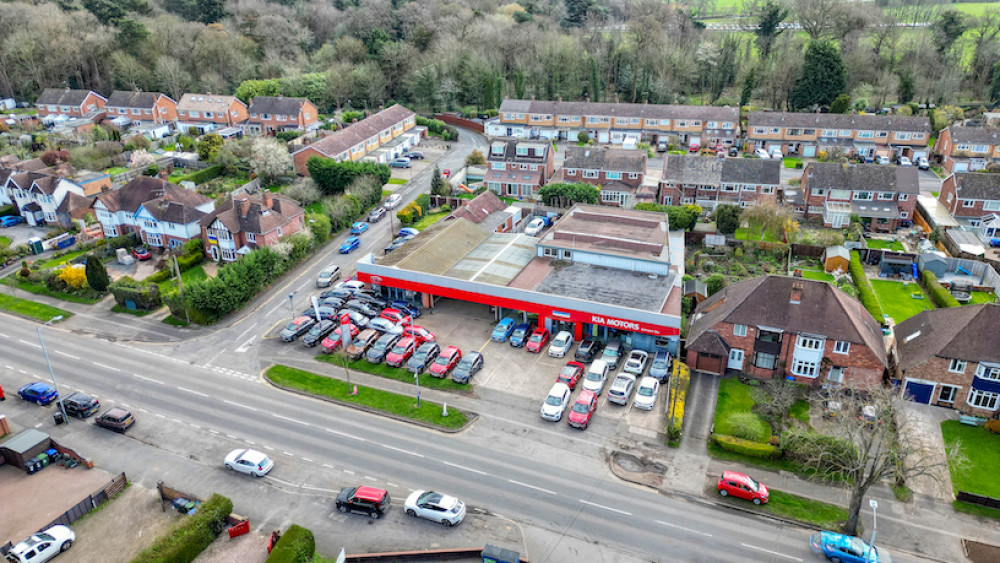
(19, 234)
(923, 424)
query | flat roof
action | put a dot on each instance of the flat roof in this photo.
(597, 283)
(611, 230)
(936, 213)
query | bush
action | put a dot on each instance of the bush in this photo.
(583, 137)
(203, 175)
(97, 274)
(748, 426)
(993, 425)
(285, 136)
(746, 447)
(319, 224)
(304, 192)
(405, 215)
(714, 283)
(865, 290)
(803, 445)
(189, 538)
(297, 545)
(209, 146)
(334, 177)
(145, 294)
(423, 201)
(939, 295)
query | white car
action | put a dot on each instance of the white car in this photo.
(883, 160)
(534, 227)
(250, 462)
(555, 404)
(594, 380)
(645, 393)
(776, 153)
(761, 153)
(392, 201)
(621, 388)
(923, 163)
(636, 362)
(438, 507)
(561, 344)
(904, 161)
(42, 546)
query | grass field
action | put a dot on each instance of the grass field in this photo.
(116, 170)
(896, 300)
(974, 8)
(878, 244)
(817, 275)
(982, 448)
(61, 260)
(194, 274)
(429, 220)
(397, 181)
(791, 162)
(37, 311)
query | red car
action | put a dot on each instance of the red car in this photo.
(742, 486)
(141, 253)
(419, 333)
(332, 342)
(446, 173)
(401, 352)
(537, 340)
(396, 316)
(445, 362)
(571, 374)
(582, 410)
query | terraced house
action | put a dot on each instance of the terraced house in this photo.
(380, 137)
(625, 124)
(710, 181)
(967, 149)
(70, 103)
(885, 197)
(618, 172)
(271, 114)
(160, 213)
(142, 107)
(805, 134)
(207, 112)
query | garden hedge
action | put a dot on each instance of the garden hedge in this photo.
(865, 290)
(939, 295)
(189, 538)
(203, 175)
(297, 545)
(145, 294)
(745, 447)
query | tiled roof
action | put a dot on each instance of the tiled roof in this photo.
(278, 105)
(340, 141)
(644, 111)
(145, 188)
(965, 333)
(207, 102)
(838, 121)
(751, 171)
(602, 158)
(282, 211)
(480, 207)
(132, 99)
(64, 97)
(977, 185)
(692, 169)
(76, 206)
(169, 211)
(865, 177)
(503, 149)
(975, 135)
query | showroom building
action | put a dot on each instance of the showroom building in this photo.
(597, 272)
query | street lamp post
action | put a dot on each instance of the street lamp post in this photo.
(871, 545)
(291, 303)
(48, 362)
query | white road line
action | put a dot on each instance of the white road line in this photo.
(4, 335)
(348, 471)
(239, 405)
(244, 333)
(231, 437)
(768, 551)
(328, 466)
(199, 393)
(307, 460)
(249, 442)
(402, 451)
(539, 489)
(105, 367)
(345, 435)
(28, 343)
(149, 379)
(246, 345)
(160, 415)
(682, 528)
(213, 431)
(369, 478)
(391, 484)
(176, 420)
(196, 426)
(275, 309)
(289, 419)
(268, 448)
(595, 505)
(456, 466)
(289, 454)
(61, 353)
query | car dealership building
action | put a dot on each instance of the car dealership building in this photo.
(599, 272)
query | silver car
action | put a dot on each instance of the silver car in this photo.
(437, 507)
(561, 344)
(636, 362)
(645, 393)
(555, 403)
(250, 462)
(327, 276)
(621, 388)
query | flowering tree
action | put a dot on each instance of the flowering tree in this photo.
(269, 159)
(141, 159)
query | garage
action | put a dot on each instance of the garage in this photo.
(918, 391)
(809, 151)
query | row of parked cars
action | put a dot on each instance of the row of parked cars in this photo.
(77, 404)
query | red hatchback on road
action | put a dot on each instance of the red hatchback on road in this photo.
(537, 340)
(742, 486)
(582, 410)
(571, 374)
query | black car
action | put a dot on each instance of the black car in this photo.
(364, 500)
(364, 307)
(468, 366)
(374, 299)
(376, 354)
(317, 333)
(80, 405)
(339, 293)
(423, 357)
(587, 351)
(414, 155)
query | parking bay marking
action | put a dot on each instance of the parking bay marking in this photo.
(768, 551)
(539, 489)
(595, 505)
(683, 529)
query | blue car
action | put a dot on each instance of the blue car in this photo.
(660, 366)
(408, 232)
(406, 308)
(359, 227)
(11, 220)
(502, 330)
(38, 392)
(849, 549)
(350, 244)
(521, 334)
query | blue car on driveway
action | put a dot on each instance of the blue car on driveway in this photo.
(502, 330)
(38, 392)
(521, 334)
(11, 220)
(848, 549)
(359, 227)
(350, 244)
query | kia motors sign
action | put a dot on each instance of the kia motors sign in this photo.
(615, 323)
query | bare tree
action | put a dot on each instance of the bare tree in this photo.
(818, 17)
(767, 217)
(773, 398)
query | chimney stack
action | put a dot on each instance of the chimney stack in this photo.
(796, 296)
(244, 207)
(267, 199)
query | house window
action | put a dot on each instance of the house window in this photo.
(727, 124)
(497, 166)
(956, 366)
(983, 399)
(760, 130)
(962, 146)
(251, 237)
(809, 343)
(918, 136)
(842, 347)
(668, 200)
(566, 254)
(550, 252)
(765, 361)
(522, 151)
(153, 239)
(988, 372)
(828, 133)
(524, 166)
(794, 132)
(805, 369)
(902, 136)
(836, 375)
(845, 132)
(991, 206)
(682, 123)
(882, 196)
(819, 192)
(904, 214)
(613, 175)
(865, 134)
(633, 175)
(664, 122)
(863, 196)
(150, 224)
(145, 112)
(979, 148)
(749, 188)
(881, 134)
(903, 197)
(767, 190)
(948, 393)
(968, 203)
(194, 113)
(590, 173)
(713, 125)
(775, 130)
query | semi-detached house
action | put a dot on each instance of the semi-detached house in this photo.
(208, 112)
(967, 149)
(619, 173)
(141, 107)
(805, 134)
(70, 103)
(973, 199)
(380, 137)
(38, 197)
(162, 214)
(271, 114)
(885, 197)
(710, 181)
(246, 222)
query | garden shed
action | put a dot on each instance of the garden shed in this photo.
(836, 258)
(896, 265)
(696, 290)
(24, 445)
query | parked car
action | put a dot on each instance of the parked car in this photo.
(361, 343)
(250, 462)
(923, 163)
(385, 326)
(354, 317)
(328, 275)
(419, 333)
(393, 246)
(393, 201)
(323, 312)
(445, 362)
(352, 243)
(401, 352)
(883, 160)
(376, 352)
(377, 214)
(11, 220)
(571, 374)
(537, 340)
(661, 146)
(334, 339)
(520, 334)
(338, 292)
(406, 308)
(596, 375)
(80, 405)
(372, 297)
(583, 410)
(847, 549)
(776, 153)
(534, 227)
(42, 546)
(905, 161)
(446, 173)
(556, 402)
(444, 509)
(762, 153)
(408, 232)
(396, 316)
(561, 344)
(332, 302)
(423, 357)
(297, 327)
(660, 366)
(742, 486)
(359, 227)
(414, 155)
(39, 392)
(364, 500)
(115, 418)
(645, 393)
(589, 348)
(636, 362)
(401, 162)
(318, 332)
(621, 388)
(612, 353)
(469, 366)
(363, 307)
(141, 253)
(503, 330)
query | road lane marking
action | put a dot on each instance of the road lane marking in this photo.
(682, 528)
(289, 454)
(196, 426)
(392, 484)
(176, 420)
(246, 345)
(213, 431)
(149, 379)
(70, 356)
(289, 419)
(28, 343)
(595, 505)
(249, 442)
(239, 405)
(199, 393)
(539, 489)
(231, 437)
(269, 448)
(768, 551)
(345, 435)
(105, 367)
(370, 478)
(328, 466)
(160, 415)
(244, 333)
(349, 472)
(456, 466)
(395, 449)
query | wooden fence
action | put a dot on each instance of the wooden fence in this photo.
(452, 119)
(981, 500)
(807, 250)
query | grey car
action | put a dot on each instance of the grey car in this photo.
(328, 275)
(612, 353)
(318, 332)
(297, 328)
(376, 354)
(425, 354)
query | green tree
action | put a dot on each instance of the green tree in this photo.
(841, 105)
(906, 86)
(209, 146)
(97, 274)
(727, 218)
(438, 185)
(946, 30)
(822, 78)
(767, 18)
(475, 158)
(319, 224)
(749, 83)
(576, 12)
(250, 89)
(714, 283)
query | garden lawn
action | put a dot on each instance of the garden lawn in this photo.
(39, 289)
(397, 180)
(791, 162)
(399, 374)
(734, 397)
(376, 399)
(429, 219)
(979, 297)
(893, 245)
(753, 234)
(37, 311)
(189, 276)
(4, 242)
(895, 299)
(982, 448)
(61, 260)
(116, 170)
(817, 275)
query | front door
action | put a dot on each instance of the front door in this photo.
(735, 359)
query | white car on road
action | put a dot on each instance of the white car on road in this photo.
(250, 462)
(42, 546)
(392, 201)
(561, 344)
(646, 392)
(434, 506)
(555, 403)
(534, 227)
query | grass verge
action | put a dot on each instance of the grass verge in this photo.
(137, 312)
(398, 180)
(982, 448)
(174, 321)
(399, 374)
(823, 515)
(383, 401)
(4, 242)
(975, 509)
(42, 290)
(31, 309)
(753, 234)
(734, 397)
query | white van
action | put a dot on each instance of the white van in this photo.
(596, 376)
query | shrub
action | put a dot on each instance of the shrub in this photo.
(319, 224)
(209, 146)
(297, 545)
(714, 283)
(74, 276)
(405, 215)
(97, 274)
(189, 538)
(807, 444)
(145, 294)
(423, 201)
(583, 137)
(865, 290)
(203, 175)
(993, 425)
(285, 136)
(748, 426)
(446, 208)
(745, 447)
(304, 192)
(939, 295)
(334, 177)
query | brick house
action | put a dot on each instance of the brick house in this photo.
(617, 123)
(37, 196)
(951, 357)
(142, 107)
(967, 149)
(776, 326)
(208, 112)
(517, 168)
(971, 196)
(709, 181)
(885, 197)
(806, 134)
(161, 213)
(487, 209)
(271, 114)
(382, 137)
(71, 103)
(245, 222)
(618, 172)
